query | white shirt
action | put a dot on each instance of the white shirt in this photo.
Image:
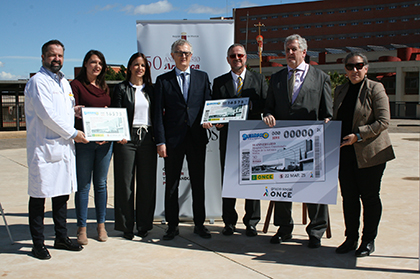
(299, 78)
(142, 114)
(235, 78)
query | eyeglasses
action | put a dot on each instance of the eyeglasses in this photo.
(351, 66)
(182, 53)
(239, 55)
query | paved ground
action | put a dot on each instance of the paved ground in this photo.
(237, 256)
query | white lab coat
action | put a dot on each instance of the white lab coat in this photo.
(49, 110)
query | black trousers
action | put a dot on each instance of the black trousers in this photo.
(196, 157)
(318, 216)
(36, 218)
(360, 184)
(135, 161)
(252, 207)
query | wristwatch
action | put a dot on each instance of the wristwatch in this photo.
(359, 138)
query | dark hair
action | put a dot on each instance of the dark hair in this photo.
(100, 80)
(353, 54)
(44, 48)
(235, 45)
(147, 76)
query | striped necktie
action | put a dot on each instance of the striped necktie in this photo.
(291, 82)
(240, 85)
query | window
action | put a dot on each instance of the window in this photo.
(330, 12)
(412, 83)
(379, 36)
(296, 27)
(285, 28)
(392, 20)
(342, 11)
(296, 15)
(330, 25)
(404, 34)
(307, 14)
(405, 6)
(355, 10)
(253, 31)
(307, 26)
(254, 18)
(379, 21)
(404, 19)
(285, 16)
(274, 29)
(417, 18)
(366, 36)
(263, 17)
(243, 31)
(274, 17)
(354, 23)
(330, 39)
(264, 29)
(342, 24)
(318, 39)
(392, 35)
(354, 37)
(243, 19)
(318, 13)
(366, 9)
(318, 26)
(380, 8)
(275, 42)
(342, 38)
(367, 22)
(392, 7)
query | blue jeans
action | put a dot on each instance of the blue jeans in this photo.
(92, 158)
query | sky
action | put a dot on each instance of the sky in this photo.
(107, 26)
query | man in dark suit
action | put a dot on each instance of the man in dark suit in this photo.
(298, 92)
(180, 95)
(239, 83)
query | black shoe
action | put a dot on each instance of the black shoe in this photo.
(229, 229)
(278, 238)
(41, 252)
(251, 231)
(365, 249)
(347, 246)
(128, 235)
(67, 244)
(142, 233)
(170, 233)
(202, 231)
(314, 242)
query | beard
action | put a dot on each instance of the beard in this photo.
(53, 67)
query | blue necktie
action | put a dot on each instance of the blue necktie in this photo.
(184, 86)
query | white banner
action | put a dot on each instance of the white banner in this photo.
(210, 40)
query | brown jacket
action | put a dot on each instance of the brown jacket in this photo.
(371, 120)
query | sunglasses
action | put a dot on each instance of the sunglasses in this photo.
(239, 55)
(351, 66)
(182, 53)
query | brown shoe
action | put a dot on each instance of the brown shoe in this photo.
(82, 236)
(102, 234)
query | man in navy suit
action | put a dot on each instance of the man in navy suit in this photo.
(180, 95)
(239, 83)
(298, 92)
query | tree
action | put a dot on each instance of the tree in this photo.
(112, 75)
(336, 79)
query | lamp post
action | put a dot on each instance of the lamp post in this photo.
(260, 41)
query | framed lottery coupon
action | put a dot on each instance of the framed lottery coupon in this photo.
(105, 124)
(221, 111)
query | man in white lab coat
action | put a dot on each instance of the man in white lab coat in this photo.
(49, 110)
